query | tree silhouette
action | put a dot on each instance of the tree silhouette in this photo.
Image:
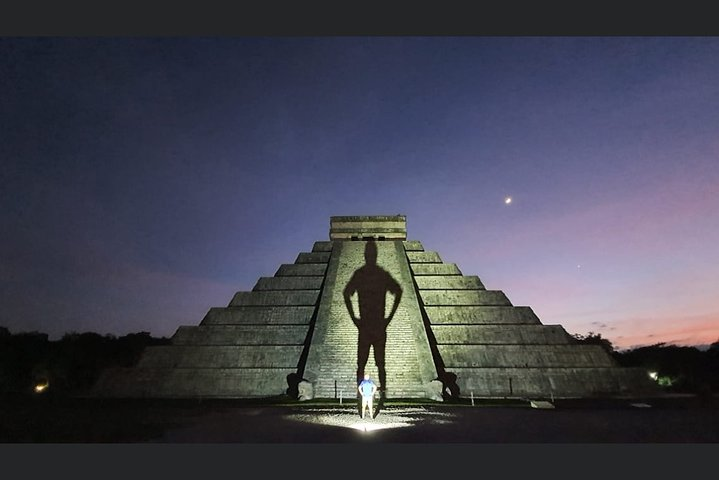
(71, 364)
(592, 338)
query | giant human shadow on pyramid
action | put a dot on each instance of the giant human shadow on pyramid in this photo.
(448, 336)
(371, 283)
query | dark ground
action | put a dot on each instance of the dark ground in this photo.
(38, 419)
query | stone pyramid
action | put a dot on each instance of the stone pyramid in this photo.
(450, 337)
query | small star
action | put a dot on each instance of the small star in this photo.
(507, 200)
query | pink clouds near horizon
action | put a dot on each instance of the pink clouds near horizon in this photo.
(677, 330)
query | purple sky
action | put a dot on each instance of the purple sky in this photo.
(147, 180)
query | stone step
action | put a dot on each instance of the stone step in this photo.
(423, 257)
(464, 298)
(501, 334)
(413, 246)
(288, 283)
(301, 270)
(199, 356)
(241, 335)
(313, 257)
(322, 247)
(275, 298)
(448, 282)
(434, 269)
(481, 315)
(524, 356)
(259, 315)
(192, 382)
(546, 382)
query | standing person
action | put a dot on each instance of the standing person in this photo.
(367, 389)
(372, 283)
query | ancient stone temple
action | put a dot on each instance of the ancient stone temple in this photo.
(441, 333)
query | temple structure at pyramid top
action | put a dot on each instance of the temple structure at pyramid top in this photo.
(370, 301)
(385, 227)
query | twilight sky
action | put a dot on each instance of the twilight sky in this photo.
(147, 180)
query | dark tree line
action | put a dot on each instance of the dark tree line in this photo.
(675, 368)
(69, 365)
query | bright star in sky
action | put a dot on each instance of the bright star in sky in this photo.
(508, 200)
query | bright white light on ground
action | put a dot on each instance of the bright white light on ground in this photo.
(366, 426)
(507, 200)
(41, 387)
(387, 418)
(653, 375)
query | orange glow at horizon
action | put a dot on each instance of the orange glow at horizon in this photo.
(688, 334)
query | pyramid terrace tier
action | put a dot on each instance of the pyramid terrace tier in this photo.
(413, 246)
(301, 270)
(524, 356)
(313, 257)
(203, 356)
(288, 283)
(193, 382)
(322, 247)
(221, 335)
(472, 314)
(420, 269)
(501, 335)
(561, 382)
(275, 298)
(448, 282)
(259, 315)
(423, 257)
(464, 298)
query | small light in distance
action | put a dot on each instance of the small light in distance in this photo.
(507, 200)
(653, 375)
